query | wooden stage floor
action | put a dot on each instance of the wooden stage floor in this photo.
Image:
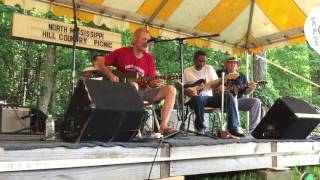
(29, 158)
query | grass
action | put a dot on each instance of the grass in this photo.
(240, 175)
(248, 175)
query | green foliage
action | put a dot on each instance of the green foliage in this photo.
(267, 94)
(299, 171)
(19, 61)
(240, 175)
(296, 59)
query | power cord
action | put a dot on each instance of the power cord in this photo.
(155, 156)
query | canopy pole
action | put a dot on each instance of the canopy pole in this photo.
(74, 40)
(248, 78)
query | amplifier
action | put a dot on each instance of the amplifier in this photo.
(14, 119)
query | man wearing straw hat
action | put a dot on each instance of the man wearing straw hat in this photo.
(253, 105)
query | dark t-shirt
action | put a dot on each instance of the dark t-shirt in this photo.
(241, 80)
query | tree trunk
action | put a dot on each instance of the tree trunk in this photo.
(48, 79)
(259, 68)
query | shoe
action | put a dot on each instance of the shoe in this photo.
(199, 131)
(168, 131)
(237, 132)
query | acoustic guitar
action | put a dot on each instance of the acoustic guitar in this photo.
(200, 85)
(234, 89)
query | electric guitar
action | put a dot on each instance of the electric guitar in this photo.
(134, 77)
(200, 85)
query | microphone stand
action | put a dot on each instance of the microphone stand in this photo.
(180, 40)
(74, 40)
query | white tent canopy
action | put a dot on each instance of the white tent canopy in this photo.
(242, 24)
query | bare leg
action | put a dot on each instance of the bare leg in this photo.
(168, 93)
(134, 84)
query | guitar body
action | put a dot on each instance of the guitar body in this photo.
(234, 89)
(197, 83)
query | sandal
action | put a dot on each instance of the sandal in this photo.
(168, 131)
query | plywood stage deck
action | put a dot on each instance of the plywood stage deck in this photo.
(29, 158)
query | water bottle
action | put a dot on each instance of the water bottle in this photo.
(50, 132)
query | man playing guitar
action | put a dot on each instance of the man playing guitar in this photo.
(253, 105)
(136, 59)
(200, 70)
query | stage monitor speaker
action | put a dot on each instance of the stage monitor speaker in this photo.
(14, 120)
(103, 111)
(288, 118)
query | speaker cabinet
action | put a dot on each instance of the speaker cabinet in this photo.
(103, 111)
(15, 120)
(288, 118)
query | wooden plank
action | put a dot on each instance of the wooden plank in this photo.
(274, 157)
(222, 164)
(61, 153)
(220, 150)
(119, 172)
(299, 160)
(298, 146)
(298, 153)
(170, 161)
(54, 158)
(165, 165)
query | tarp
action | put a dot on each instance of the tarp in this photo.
(242, 24)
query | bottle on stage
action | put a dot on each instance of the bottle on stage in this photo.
(50, 131)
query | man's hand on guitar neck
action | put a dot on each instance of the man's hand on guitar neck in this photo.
(251, 87)
(156, 83)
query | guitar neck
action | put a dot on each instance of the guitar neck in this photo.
(212, 83)
(134, 77)
(218, 81)
(149, 78)
(259, 83)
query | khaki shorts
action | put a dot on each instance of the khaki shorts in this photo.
(149, 94)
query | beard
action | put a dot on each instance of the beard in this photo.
(145, 45)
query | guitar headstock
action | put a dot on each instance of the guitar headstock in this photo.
(232, 76)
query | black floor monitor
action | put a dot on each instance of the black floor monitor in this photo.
(103, 111)
(288, 118)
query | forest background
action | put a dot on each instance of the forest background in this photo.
(40, 75)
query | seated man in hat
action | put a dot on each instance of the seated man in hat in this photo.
(253, 105)
(198, 101)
